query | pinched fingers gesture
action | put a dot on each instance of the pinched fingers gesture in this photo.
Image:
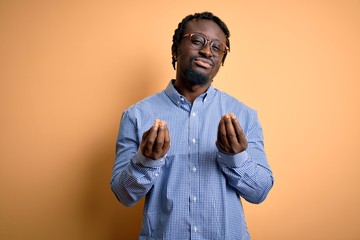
(156, 141)
(230, 138)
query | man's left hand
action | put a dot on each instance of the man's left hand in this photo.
(230, 138)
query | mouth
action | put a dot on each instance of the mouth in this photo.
(203, 62)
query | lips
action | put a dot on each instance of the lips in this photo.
(203, 62)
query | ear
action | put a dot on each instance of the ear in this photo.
(174, 59)
(223, 59)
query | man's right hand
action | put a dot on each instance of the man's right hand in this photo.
(156, 141)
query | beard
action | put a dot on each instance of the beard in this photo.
(196, 78)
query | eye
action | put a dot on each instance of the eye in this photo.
(216, 46)
(197, 40)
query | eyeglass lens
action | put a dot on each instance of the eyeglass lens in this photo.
(199, 41)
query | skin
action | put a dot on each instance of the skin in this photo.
(156, 141)
(230, 136)
(186, 54)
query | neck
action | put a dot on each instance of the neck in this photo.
(190, 92)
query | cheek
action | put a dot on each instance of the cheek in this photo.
(217, 67)
(184, 54)
(184, 58)
(214, 71)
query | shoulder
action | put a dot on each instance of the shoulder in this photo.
(232, 103)
(150, 101)
(145, 110)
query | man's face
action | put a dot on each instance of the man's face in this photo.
(199, 66)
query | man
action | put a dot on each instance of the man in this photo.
(194, 182)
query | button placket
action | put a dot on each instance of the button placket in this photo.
(194, 162)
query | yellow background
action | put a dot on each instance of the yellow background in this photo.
(69, 68)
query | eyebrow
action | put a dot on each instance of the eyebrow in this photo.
(212, 39)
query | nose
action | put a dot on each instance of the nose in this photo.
(206, 50)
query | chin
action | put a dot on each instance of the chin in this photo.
(197, 78)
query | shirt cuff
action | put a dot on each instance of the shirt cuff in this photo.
(148, 162)
(233, 161)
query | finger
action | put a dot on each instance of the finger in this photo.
(223, 135)
(238, 130)
(150, 139)
(159, 141)
(166, 145)
(230, 131)
(145, 135)
(240, 135)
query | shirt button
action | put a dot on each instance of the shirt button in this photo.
(194, 199)
(195, 229)
(156, 174)
(194, 169)
(193, 140)
(194, 114)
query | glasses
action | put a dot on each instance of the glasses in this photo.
(198, 41)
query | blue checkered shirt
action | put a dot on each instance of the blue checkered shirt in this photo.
(195, 191)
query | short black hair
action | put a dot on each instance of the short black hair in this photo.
(179, 32)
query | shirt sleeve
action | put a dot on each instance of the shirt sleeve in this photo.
(248, 172)
(133, 174)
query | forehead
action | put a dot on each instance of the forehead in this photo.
(207, 27)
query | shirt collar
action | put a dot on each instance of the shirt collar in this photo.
(179, 99)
